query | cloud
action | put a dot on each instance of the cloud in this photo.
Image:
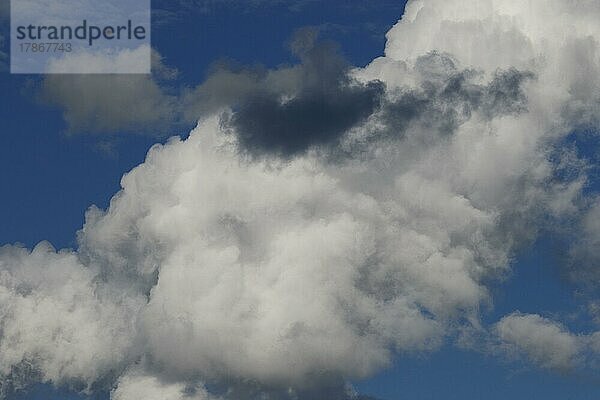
(544, 342)
(584, 258)
(448, 97)
(289, 109)
(256, 324)
(324, 104)
(56, 326)
(271, 105)
(97, 103)
(372, 237)
(137, 386)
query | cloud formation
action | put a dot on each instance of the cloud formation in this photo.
(448, 97)
(56, 325)
(98, 103)
(545, 342)
(272, 106)
(134, 385)
(375, 235)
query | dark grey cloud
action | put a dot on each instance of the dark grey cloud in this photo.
(288, 110)
(448, 97)
(504, 94)
(314, 117)
(314, 102)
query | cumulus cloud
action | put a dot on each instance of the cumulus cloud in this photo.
(56, 325)
(375, 235)
(135, 385)
(545, 342)
(247, 305)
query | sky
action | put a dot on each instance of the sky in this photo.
(310, 200)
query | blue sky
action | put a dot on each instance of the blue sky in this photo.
(50, 176)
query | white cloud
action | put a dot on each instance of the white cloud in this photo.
(134, 385)
(235, 275)
(555, 39)
(56, 320)
(544, 342)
